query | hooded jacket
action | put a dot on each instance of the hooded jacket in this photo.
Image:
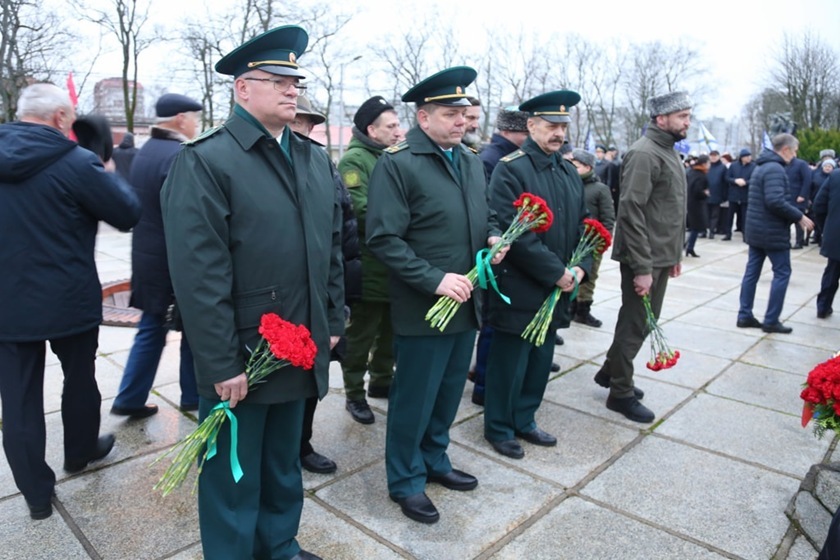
(52, 195)
(769, 210)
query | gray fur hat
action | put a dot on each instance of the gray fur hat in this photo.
(512, 119)
(827, 153)
(584, 157)
(669, 103)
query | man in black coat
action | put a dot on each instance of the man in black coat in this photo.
(124, 154)
(827, 214)
(52, 195)
(151, 287)
(769, 215)
(799, 178)
(738, 177)
(718, 193)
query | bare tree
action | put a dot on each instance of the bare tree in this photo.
(32, 40)
(654, 69)
(806, 70)
(125, 20)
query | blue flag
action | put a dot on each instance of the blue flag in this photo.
(589, 143)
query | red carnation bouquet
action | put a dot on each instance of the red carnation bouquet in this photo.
(595, 239)
(821, 394)
(661, 354)
(533, 214)
(282, 344)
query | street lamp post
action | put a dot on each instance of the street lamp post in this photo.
(341, 106)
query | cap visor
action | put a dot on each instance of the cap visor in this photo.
(282, 71)
(556, 118)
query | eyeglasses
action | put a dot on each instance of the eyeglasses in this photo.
(281, 85)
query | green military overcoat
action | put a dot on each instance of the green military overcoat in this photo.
(246, 235)
(535, 261)
(355, 168)
(423, 221)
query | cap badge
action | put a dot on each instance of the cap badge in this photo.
(292, 57)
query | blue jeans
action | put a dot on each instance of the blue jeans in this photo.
(780, 260)
(143, 363)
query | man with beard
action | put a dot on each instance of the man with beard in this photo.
(649, 236)
(370, 338)
(517, 370)
(472, 134)
(427, 218)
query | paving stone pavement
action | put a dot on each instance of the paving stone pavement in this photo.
(711, 478)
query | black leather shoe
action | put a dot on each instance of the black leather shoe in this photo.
(40, 512)
(455, 480)
(751, 323)
(824, 314)
(360, 411)
(602, 378)
(777, 328)
(555, 367)
(508, 448)
(797, 246)
(317, 463)
(418, 507)
(558, 340)
(727, 238)
(303, 555)
(188, 407)
(538, 437)
(375, 392)
(478, 398)
(631, 408)
(103, 446)
(140, 412)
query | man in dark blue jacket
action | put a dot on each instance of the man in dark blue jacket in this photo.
(52, 195)
(827, 215)
(151, 287)
(799, 178)
(738, 176)
(718, 193)
(769, 215)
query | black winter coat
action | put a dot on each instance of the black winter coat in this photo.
(799, 179)
(739, 171)
(698, 184)
(827, 215)
(498, 148)
(151, 287)
(52, 195)
(769, 211)
(718, 186)
(350, 248)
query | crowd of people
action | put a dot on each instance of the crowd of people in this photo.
(253, 217)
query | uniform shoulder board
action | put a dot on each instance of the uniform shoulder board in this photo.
(513, 156)
(473, 150)
(397, 147)
(204, 135)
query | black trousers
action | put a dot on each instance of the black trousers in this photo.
(22, 394)
(716, 218)
(828, 286)
(738, 209)
(306, 434)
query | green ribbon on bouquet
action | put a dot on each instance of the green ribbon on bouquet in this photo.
(485, 273)
(235, 468)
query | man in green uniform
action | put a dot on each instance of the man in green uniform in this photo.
(649, 237)
(253, 225)
(517, 371)
(427, 218)
(370, 338)
(599, 202)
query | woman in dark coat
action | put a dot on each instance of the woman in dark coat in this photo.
(698, 192)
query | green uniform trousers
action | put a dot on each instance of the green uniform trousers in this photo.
(427, 388)
(586, 291)
(258, 517)
(517, 374)
(631, 329)
(370, 347)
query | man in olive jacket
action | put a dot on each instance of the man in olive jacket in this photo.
(427, 218)
(517, 371)
(649, 237)
(253, 225)
(370, 338)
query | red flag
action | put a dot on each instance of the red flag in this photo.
(71, 88)
(74, 99)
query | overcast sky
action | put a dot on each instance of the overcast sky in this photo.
(736, 39)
